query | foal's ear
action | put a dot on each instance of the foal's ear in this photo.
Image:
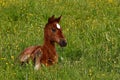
(58, 19)
(51, 19)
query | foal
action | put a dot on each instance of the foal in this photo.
(45, 54)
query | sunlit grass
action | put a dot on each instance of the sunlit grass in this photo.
(92, 29)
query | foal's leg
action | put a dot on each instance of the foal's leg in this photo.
(38, 54)
(24, 58)
(28, 54)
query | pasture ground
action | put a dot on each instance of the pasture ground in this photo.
(92, 29)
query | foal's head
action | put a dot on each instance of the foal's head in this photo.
(53, 31)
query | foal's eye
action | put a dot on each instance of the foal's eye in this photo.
(53, 30)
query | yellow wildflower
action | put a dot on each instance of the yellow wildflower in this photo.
(90, 72)
(110, 1)
(12, 57)
(3, 58)
(6, 63)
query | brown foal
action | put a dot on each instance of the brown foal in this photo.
(46, 54)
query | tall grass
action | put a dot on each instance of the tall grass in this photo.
(92, 29)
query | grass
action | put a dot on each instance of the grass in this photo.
(92, 29)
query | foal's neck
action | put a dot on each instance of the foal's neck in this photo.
(48, 45)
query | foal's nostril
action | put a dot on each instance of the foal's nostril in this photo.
(63, 43)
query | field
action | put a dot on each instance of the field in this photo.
(92, 29)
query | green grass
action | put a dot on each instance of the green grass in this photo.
(92, 29)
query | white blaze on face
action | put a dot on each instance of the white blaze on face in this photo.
(58, 26)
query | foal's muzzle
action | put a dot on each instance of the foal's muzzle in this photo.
(63, 43)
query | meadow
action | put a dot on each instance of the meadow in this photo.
(92, 29)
